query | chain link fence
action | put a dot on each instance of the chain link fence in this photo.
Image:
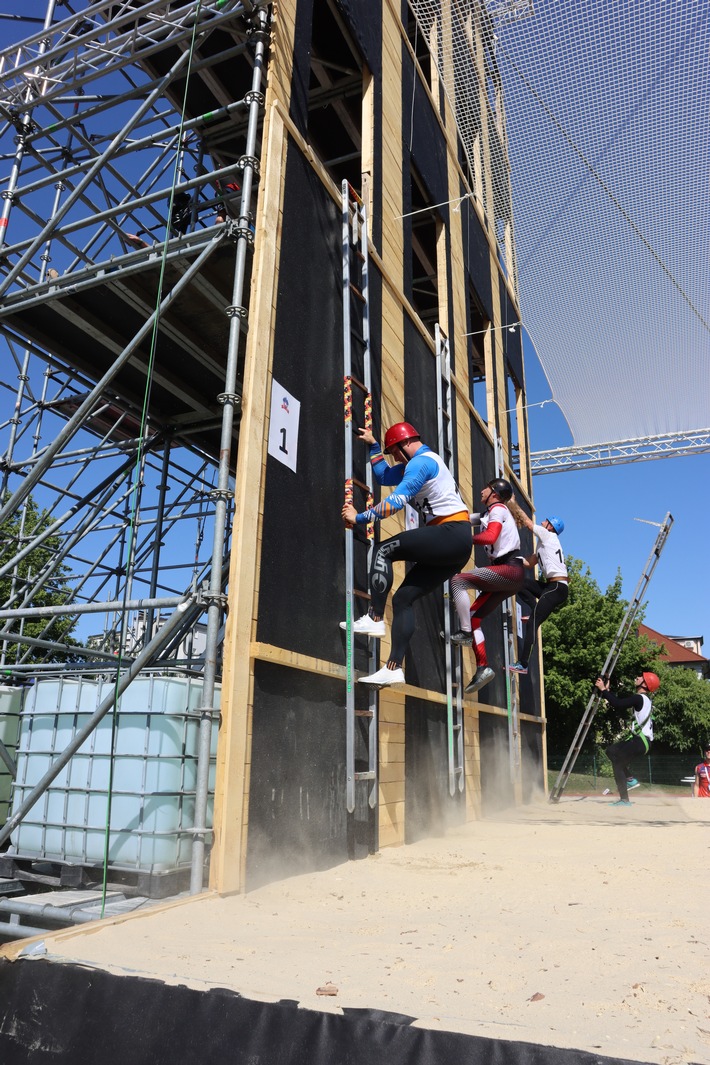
(593, 768)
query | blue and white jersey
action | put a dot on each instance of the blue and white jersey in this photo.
(424, 482)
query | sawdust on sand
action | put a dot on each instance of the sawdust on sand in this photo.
(574, 925)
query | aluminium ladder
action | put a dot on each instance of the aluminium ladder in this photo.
(356, 345)
(612, 657)
(453, 653)
(512, 690)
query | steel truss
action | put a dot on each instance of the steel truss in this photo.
(129, 155)
(562, 459)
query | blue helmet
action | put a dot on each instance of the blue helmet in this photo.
(557, 524)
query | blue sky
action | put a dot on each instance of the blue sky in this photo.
(599, 507)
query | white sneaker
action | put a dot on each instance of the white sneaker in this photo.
(365, 626)
(483, 675)
(384, 677)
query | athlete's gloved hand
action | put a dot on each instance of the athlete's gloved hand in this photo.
(366, 436)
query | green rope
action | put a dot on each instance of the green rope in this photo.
(140, 456)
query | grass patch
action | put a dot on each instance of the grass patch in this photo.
(590, 782)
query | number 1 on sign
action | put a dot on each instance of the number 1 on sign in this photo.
(283, 426)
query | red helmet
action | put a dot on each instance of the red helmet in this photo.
(651, 681)
(399, 434)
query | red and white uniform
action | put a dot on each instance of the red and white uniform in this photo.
(508, 537)
(501, 578)
(702, 776)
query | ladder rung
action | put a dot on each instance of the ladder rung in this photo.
(356, 292)
(364, 713)
(370, 775)
(359, 384)
(361, 595)
(360, 484)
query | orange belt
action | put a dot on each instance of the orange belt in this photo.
(461, 516)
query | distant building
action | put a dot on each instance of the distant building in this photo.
(694, 643)
(683, 651)
(191, 647)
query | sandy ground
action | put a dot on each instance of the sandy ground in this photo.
(577, 925)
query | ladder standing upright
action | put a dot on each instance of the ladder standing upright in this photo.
(612, 657)
(356, 345)
(511, 689)
(453, 654)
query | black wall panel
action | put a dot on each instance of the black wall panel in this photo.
(529, 685)
(424, 665)
(430, 807)
(482, 461)
(302, 571)
(420, 384)
(531, 748)
(512, 341)
(496, 790)
(297, 815)
(494, 694)
(477, 256)
(301, 66)
(364, 20)
(424, 136)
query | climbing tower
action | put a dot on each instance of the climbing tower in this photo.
(173, 260)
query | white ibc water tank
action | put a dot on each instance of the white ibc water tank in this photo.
(10, 706)
(155, 731)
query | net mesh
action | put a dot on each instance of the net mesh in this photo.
(605, 106)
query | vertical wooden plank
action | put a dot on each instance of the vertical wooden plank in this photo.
(233, 750)
(391, 719)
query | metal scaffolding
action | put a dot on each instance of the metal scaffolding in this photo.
(562, 459)
(129, 157)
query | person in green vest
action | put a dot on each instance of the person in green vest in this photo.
(637, 740)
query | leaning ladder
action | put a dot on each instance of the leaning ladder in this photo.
(453, 655)
(356, 331)
(612, 657)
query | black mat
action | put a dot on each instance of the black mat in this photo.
(63, 1013)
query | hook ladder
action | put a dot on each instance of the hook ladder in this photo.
(453, 655)
(511, 689)
(612, 657)
(356, 355)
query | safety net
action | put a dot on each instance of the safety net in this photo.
(597, 117)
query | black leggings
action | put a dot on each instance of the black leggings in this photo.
(620, 754)
(438, 551)
(541, 600)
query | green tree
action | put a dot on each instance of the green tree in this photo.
(16, 533)
(681, 710)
